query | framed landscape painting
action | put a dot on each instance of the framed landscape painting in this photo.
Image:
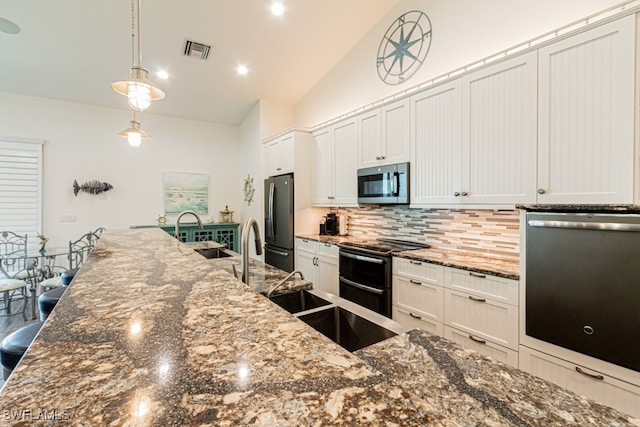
(186, 191)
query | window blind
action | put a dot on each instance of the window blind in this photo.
(21, 187)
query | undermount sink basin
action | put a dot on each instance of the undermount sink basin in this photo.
(210, 253)
(345, 328)
(296, 302)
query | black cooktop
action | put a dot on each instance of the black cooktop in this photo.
(385, 246)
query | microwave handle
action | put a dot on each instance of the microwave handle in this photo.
(395, 178)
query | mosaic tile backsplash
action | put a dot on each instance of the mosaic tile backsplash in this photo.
(494, 232)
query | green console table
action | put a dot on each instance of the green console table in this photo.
(221, 232)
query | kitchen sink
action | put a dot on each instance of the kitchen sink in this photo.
(345, 328)
(296, 302)
(210, 253)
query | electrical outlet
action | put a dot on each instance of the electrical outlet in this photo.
(68, 218)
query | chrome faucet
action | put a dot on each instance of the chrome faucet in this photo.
(250, 223)
(183, 213)
(283, 281)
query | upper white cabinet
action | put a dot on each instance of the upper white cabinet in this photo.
(383, 135)
(499, 132)
(586, 117)
(334, 165)
(282, 153)
(474, 139)
(436, 145)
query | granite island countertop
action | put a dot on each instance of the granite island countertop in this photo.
(151, 333)
(465, 260)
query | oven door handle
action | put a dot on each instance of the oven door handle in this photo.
(363, 287)
(363, 258)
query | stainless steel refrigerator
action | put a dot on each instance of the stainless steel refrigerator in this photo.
(278, 222)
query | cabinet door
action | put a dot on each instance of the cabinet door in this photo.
(306, 259)
(395, 132)
(369, 139)
(420, 299)
(322, 168)
(287, 154)
(586, 116)
(273, 154)
(436, 144)
(499, 133)
(328, 276)
(345, 164)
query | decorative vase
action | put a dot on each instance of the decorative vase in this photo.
(42, 249)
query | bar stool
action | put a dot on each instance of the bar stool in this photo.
(15, 345)
(48, 300)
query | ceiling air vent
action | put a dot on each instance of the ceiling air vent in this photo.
(196, 50)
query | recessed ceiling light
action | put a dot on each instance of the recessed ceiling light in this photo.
(242, 70)
(277, 8)
(162, 75)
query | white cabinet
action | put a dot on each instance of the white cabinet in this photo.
(318, 262)
(417, 294)
(482, 306)
(383, 135)
(499, 132)
(436, 145)
(333, 165)
(583, 380)
(286, 153)
(474, 139)
(586, 116)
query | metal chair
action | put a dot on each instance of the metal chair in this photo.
(79, 250)
(13, 266)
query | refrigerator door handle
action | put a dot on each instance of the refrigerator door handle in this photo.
(271, 230)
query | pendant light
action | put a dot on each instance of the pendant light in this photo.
(133, 133)
(138, 89)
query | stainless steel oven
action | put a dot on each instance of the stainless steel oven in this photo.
(365, 271)
(365, 278)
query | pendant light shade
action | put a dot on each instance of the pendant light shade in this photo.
(138, 89)
(134, 134)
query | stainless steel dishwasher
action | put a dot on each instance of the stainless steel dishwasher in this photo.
(583, 283)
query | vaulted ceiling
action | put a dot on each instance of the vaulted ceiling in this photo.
(74, 49)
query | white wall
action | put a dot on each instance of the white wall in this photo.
(81, 142)
(464, 31)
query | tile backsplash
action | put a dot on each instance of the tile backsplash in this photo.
(494, 232)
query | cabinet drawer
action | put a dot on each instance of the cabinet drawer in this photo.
(604, 389)
(307, 245)
(327, 250)
(482, 346)
(421, 299)
(419, 270)
(482, 317)
(490, 287)
(409, 320)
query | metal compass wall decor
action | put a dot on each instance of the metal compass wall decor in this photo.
(404, 47)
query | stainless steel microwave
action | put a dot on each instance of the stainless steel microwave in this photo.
(384, 185)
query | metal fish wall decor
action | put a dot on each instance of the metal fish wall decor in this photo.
(92, 187)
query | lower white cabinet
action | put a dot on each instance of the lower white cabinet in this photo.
(478, 311)
(318, 262)
(583, 380)
(486, 347)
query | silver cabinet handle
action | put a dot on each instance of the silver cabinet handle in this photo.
(363, 258)
(472, 298)
(327, 244)
(415, 282)
(479, 276)
(415, 262)
(594, 376)
(464, 194)
(478, 340)
(456, 194)
(382, 157)
(363, 287)
(414, 316)
(541, 191)
(278, 169)
(331, 197)
(603, 226)
(277, 252)
(377, 157)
